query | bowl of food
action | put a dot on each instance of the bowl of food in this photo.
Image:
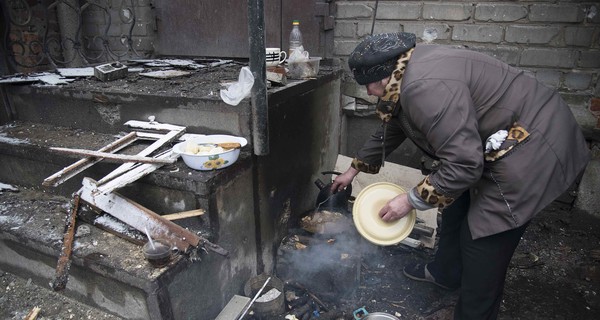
(210, 152)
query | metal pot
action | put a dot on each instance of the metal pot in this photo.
(336, 201)
(362, 314)
(379, 316)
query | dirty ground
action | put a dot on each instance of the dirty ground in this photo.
(555, 274)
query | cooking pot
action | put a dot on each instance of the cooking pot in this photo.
(379, 316)
(333, 201)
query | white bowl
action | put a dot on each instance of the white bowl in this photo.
(210, 162)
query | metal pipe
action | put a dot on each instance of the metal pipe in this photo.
(260, 109)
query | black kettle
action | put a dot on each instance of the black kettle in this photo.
(336, 201)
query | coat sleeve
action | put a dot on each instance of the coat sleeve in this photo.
(369, 158)
(443, 111)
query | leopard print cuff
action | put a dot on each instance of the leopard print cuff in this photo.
(430, 195)
(516, 135)
(365, 167)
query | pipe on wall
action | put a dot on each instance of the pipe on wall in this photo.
(260, 112)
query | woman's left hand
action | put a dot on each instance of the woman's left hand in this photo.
(396, 208)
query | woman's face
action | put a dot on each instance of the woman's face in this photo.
(377, 88)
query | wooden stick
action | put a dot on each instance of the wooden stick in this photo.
(184, 214)
(106, 155)
(151, 148)
(32, 315)
(64, 261)
(75, 168)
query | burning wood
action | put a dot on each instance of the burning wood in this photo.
(325, 222)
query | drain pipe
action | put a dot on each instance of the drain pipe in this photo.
(260, 110)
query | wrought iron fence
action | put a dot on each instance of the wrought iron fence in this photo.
(43, 34)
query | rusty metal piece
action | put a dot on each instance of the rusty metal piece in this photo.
(64, 261)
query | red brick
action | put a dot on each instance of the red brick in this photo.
(595, 105)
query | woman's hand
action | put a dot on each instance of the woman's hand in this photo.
(396, 208)
(343, 180)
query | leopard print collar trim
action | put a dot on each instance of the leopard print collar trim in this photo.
(392, 90)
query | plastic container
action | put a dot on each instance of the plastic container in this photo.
(272, 308)
(304, 69)
(295, 37)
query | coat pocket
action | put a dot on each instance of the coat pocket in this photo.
(516, 186)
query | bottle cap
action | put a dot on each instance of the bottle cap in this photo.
(295, 22)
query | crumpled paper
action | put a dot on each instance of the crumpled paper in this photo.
(237, 91)
(495, 141)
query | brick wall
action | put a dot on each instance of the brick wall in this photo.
(557, 41)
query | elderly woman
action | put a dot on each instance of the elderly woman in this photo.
(506, 146)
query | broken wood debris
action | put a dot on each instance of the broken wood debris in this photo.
(33, 314)
(77, 167)
(312, 295)
(184, 214)
(64, 260)
(112, 156)
(101, 196)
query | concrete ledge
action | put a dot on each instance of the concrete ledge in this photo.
(106, 265)
(106, 271)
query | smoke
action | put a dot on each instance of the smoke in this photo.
(325, 263)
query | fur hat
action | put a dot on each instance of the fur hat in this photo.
(376, 56)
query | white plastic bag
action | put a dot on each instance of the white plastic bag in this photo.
(233, 94)
(299, 54)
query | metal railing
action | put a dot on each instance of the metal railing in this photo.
(54, 34)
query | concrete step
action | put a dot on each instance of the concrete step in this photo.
(109, 272)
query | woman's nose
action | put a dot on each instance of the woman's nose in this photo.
(370, 88)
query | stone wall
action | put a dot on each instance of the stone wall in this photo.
(557, 41)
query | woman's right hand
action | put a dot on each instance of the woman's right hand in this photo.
(343, 180)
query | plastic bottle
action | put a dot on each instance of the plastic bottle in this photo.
(295, 37)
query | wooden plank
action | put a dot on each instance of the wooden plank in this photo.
(119, 157)
(136, 173)
(153, 125)
(77, 167)
(139, 217)
(153, 147)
